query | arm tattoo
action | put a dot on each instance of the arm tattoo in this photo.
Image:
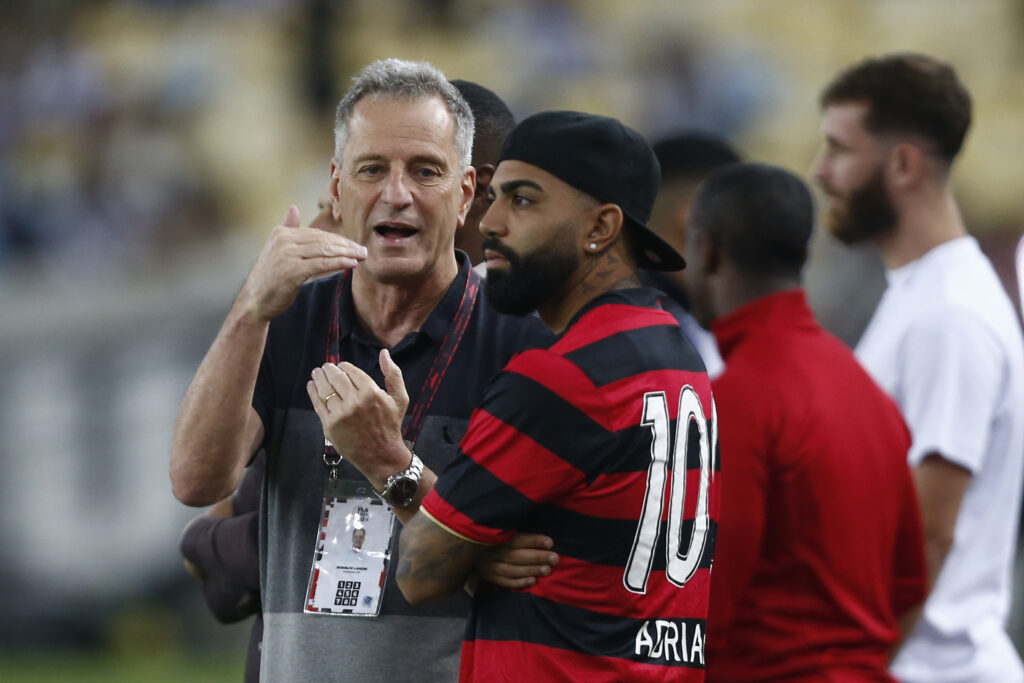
(430, 555)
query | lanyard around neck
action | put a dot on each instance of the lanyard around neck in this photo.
(438, 368)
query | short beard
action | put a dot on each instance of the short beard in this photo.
(532, 278)
(869, 213)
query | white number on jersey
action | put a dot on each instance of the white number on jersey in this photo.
(681, 561)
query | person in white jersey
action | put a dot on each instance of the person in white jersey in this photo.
(944, 342)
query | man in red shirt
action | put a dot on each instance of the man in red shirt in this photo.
(819, 549)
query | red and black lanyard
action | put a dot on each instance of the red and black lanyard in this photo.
(417, 410)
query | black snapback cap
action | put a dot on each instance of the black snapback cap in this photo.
(601, 157)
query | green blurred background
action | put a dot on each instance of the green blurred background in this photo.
(148, 146)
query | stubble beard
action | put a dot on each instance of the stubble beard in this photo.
(869, 213)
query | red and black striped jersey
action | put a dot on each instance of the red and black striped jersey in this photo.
(606, 441)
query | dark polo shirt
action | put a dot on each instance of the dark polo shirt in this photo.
(420, 643)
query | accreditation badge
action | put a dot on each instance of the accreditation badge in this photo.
(350, 560)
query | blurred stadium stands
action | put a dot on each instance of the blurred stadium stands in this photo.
(147, 146)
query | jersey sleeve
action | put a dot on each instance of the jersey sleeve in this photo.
(520, 452)
(952, 376)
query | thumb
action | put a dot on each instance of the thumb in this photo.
(394, 384)
(291, 219)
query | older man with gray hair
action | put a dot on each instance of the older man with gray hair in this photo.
(391, 285)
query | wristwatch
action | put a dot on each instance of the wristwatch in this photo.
(400, 489)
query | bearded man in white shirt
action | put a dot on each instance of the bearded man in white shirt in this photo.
(944, 342)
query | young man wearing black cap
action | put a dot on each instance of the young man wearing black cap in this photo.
(577, 440)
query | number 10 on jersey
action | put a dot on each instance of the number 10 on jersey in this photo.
(681, 559)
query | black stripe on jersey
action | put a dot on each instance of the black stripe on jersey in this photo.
(574, 535)
(462, 483)
(532, 409)
(628, 353)
(573, 531)
(518, 616)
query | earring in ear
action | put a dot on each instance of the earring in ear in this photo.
(592, 246)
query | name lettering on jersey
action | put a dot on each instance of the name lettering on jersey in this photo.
(670, 641)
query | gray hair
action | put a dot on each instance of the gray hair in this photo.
(413, 80)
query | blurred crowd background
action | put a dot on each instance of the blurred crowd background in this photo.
(148, 146)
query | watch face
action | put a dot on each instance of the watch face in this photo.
(403, 492)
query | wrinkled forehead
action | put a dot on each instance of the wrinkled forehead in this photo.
(399, 127)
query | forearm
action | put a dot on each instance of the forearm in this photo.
(217, 430)
(941, 486)
(433, 563)
(936, 548)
